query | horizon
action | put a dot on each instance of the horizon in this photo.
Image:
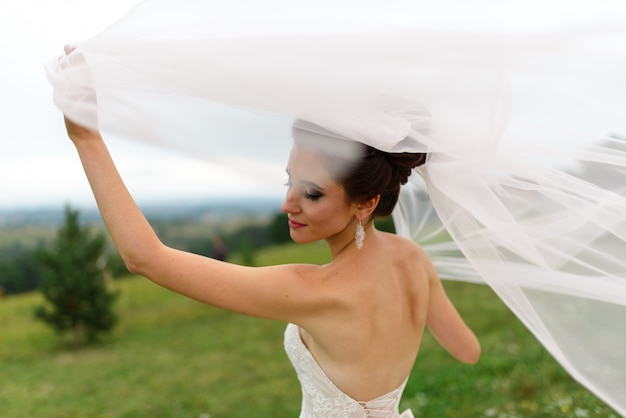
(190, 202)
(226, 208)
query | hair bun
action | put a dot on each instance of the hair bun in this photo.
(405, 162)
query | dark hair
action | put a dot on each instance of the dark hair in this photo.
(363, 171)
(378, 172)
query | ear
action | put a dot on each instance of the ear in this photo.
(367, 207)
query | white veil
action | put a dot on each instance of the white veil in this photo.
(512, 102)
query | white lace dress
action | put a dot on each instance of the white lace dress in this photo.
(322, 399)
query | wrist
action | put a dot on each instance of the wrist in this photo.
(78, 133)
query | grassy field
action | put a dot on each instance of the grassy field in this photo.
(173, 357)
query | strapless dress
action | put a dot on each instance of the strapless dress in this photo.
(322, 399)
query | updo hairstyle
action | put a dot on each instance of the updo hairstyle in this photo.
(363, 171)
(378, 172)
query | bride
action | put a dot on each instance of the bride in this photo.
(356, 323)
(508, 195)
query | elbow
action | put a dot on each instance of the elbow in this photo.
(139, 261)
(472, 358)
(133, 263)
(472, 354)
(132, 266)
(137, 264)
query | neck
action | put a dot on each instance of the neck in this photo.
(346, 242)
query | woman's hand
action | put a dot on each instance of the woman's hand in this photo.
(75, 131)
(78, 132)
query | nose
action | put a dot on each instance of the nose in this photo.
(290, 205)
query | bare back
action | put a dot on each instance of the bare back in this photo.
(368, 341)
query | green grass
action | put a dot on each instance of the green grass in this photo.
(173, 357)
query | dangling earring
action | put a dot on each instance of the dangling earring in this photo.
(360, 235)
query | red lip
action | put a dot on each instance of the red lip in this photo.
(295, 225)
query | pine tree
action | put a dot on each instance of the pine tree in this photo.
(73, 283)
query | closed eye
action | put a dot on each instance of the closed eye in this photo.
(312, 194)
(311, 191)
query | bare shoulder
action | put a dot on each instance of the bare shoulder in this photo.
(407, 258)
(403, 247)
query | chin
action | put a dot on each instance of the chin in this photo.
(299, 239)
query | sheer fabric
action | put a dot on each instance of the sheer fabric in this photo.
(522, 189)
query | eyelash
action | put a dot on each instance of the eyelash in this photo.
(312, 195)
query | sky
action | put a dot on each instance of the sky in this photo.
(38, 164)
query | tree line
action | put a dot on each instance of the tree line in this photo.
(21, 268)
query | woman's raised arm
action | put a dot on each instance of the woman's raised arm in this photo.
(288, 292)
(130, 230)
